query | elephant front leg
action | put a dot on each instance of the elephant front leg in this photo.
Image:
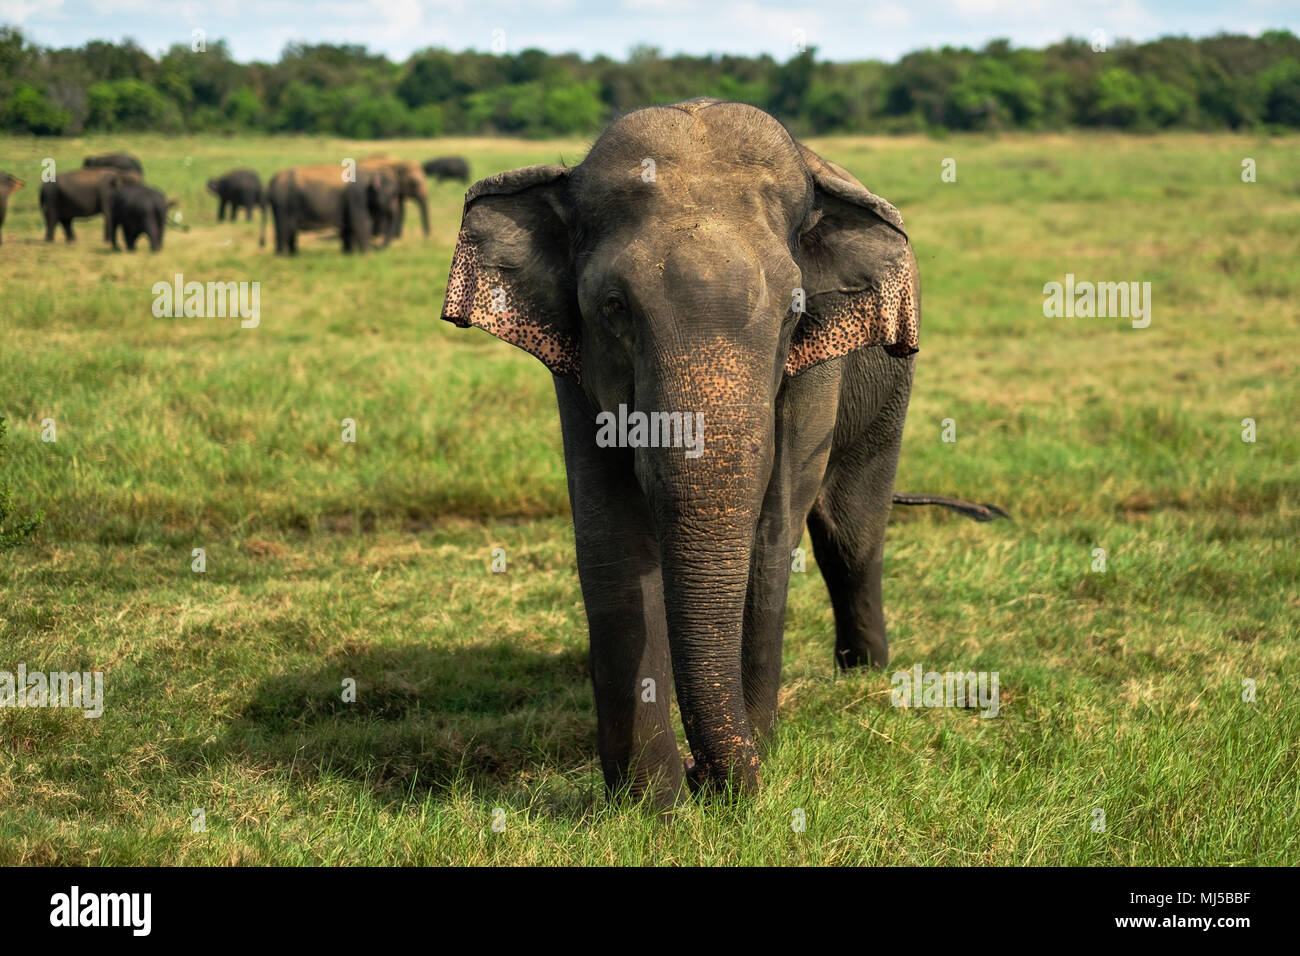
(769, 581)
(622, 589)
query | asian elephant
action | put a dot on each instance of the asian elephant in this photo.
(730, 321)
(447, 167)
(370, 208)
(9, 184)
(410, 185)
(138, 210)
(123, 161)
(237, 189)
(79, 194)
(312, 197)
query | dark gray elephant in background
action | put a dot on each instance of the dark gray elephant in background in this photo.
(237, 189)
(79, 194)
(370, 208)
(312, 197)
(122, 161)
(9, 184)
(447, 167)
(701, 263)
(303, 198)
(410, 185)
(139, 210)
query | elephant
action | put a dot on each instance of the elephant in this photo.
(239, 188)
(312, 197)
(447, 167)
(758, 308)
(139, 209)
(123, 161)
(9, 184)
(81, 193)
(410, 184)
(370, 207)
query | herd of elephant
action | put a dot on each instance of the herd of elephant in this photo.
(364, 202)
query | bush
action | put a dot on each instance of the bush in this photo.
(129, 105)
(1280, 87)
(28, 111)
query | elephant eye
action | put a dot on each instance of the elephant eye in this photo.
(613, 304)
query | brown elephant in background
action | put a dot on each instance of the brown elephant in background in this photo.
(9, 184)
(82, 193)
(410, 185)
(313, 197)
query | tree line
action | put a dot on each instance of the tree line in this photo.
(1220, 82)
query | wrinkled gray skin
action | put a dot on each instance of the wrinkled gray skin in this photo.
(9, 183)
(238, 189)
(676, 295)
(79, 194)
(123, 161)
(139, 210)
(447, 167)
(370, 207)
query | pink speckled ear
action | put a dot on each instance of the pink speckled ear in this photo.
(511, 274)
(860, 278)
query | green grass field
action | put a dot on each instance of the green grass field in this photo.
(1121, 691)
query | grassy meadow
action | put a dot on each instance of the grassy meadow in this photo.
(1121, 690)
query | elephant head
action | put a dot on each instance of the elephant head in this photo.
(694, 261)
(383, 198)
(410, 185)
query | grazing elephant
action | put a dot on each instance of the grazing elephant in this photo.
(410, 185)
(139, 210)
(447, 167)
(312, 197)
(81, 193)
(239, 188)
(9, 184)
(730, 321)
(370, 207)
(123, 161)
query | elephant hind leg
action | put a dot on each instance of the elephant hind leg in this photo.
(68, 234)
(847, 525)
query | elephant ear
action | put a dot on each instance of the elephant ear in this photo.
(511, 273)
(861, 284)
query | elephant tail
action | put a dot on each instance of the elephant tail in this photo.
(261, 239)
(976, 512)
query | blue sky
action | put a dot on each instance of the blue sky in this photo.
(840, 29)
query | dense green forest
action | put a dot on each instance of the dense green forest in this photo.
(1218, 82)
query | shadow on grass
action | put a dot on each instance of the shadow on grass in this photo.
(493, 717)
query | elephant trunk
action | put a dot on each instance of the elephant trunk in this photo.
(423, 199)
(705, 499)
